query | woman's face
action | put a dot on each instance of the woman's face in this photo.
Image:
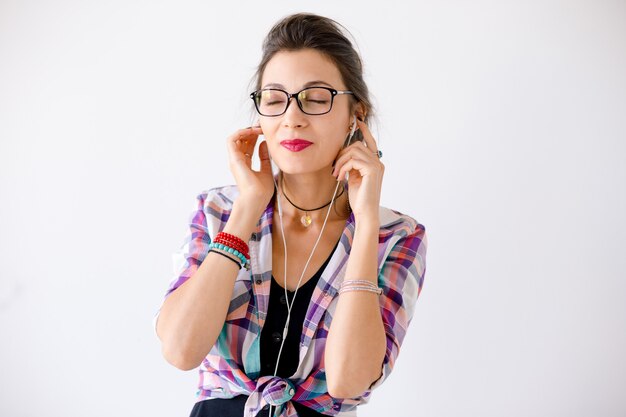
(291, 71)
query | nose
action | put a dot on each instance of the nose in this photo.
(294, 116)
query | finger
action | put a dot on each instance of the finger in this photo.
(241, 158)
(356, 150)
(356, 164)
(242, 141)
(248, 130)
(235, 154)
(367, 136)
(245, 134)
(240, 162)
(264, 156)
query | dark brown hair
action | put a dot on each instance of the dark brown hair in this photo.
(325, 35)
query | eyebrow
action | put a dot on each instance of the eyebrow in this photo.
(308, 84)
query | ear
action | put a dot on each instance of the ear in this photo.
(359, 110)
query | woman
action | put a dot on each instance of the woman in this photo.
(295, 290)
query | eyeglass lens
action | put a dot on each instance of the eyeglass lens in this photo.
(313, 100)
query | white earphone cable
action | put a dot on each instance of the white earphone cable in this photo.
(282, 229)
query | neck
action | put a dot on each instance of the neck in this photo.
(310, 191)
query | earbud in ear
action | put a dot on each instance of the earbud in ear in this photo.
(354, 125)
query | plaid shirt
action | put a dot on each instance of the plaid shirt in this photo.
(233, 367)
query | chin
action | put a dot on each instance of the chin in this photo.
(293, 169)
(297, 167)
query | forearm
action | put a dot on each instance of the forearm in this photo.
(356, 344)
(193, 315)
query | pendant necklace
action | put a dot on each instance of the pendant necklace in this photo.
(306, 219)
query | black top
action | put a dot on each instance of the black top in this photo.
(271, 338)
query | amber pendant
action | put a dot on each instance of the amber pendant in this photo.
(306, 220)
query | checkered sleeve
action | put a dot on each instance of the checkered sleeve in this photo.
(401, 278)
(189, 256)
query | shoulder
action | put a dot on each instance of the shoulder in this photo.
(402, 239)
(220, 198)
(403, 246)
(396, 224)
(213, 207)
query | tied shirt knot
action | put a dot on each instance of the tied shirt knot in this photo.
(272, 390)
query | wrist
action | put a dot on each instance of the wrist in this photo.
(242, 221)
(367, 223)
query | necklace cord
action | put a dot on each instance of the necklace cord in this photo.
(282, 190)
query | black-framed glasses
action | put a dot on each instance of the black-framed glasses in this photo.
(311, 100)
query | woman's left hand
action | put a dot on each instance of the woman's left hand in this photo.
(365, 170)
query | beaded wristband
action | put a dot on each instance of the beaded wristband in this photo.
(229, 250)
(233, 238)
(245, 262)
(232, 241)
(232, 244)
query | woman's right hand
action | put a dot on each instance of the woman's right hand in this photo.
(255, 187)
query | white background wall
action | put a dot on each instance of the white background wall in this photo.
(502, 126)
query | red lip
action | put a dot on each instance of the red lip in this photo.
(295, 145)
(295, 142)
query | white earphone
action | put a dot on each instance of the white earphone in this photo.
(353, 126)
(280, 215)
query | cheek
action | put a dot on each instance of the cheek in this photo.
(339, 140)
(269, 133)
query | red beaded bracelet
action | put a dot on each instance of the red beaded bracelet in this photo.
(234, 242)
